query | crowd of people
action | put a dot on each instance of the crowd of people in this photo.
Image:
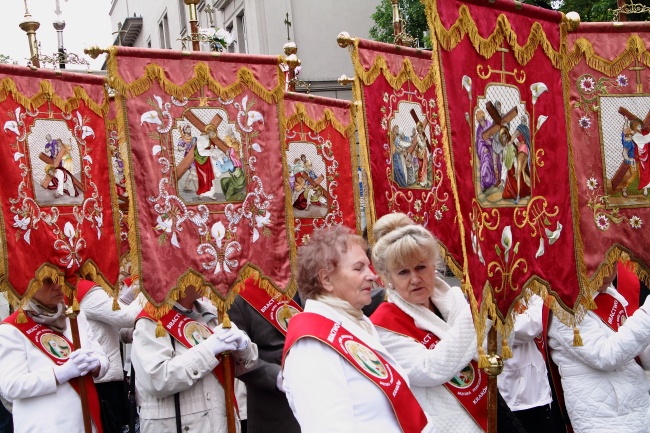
(333, 359)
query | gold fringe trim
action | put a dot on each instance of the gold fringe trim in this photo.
(506, 352)
(329, 118)
(116, 305)
(483, 361)
(47, 93)
(635, 49)
(21, 318)
(503, 32)
(160, 330)
(379, 66)
(577, 339)
(201, 77)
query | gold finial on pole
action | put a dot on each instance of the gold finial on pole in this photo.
(344, 40)
(397, 20)
(194, 23)
(30, 26)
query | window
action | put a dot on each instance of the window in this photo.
(182, 14)
(149, 43)
(231, 47)
(242, 40)
(163, 32)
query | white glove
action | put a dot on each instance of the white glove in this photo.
(235, 335)
(279, 381)
(67, 371)
(217, 346)
(127, 294)
(86, 360)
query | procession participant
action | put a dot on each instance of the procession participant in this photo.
(524, 382)
(604, 387)
(6, 422)
(187, 362)
(105, 322)
(427, 326)
(337, 375)
(41, 368)
(265, 318)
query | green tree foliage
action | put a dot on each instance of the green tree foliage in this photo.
(413, 18)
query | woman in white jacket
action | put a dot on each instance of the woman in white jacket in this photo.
(427, 326)
(605, 389)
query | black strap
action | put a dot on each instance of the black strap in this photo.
(177, 399)
(133, 410)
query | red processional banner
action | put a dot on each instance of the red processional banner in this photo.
(57, 220)
(609, 115)
(321, 158)
(504, 98)
(204, 163)
(401, 130)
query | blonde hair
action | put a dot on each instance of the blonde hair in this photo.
(399, 240)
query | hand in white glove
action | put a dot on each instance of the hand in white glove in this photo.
(217, 346)
(127, 294)
(234, 335)
(67, 371)
(85, 359)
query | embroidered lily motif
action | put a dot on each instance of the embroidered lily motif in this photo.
(72, 247)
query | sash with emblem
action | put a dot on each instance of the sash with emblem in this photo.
(189, 333)
(277, 310)
(469, 386)
(58, 348)
(368, 362)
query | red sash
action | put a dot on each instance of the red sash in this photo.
(277, 310)
(469, 386)
(408, 412)
(610, 310)
(189, 333)
(57, 347)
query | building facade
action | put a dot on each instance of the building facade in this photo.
(258, 27)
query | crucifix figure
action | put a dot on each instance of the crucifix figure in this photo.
(634, 138)
(288, 24)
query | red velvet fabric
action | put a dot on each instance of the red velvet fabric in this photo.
(54, 221)
(330, 151)
(504, 238)
(241, 223)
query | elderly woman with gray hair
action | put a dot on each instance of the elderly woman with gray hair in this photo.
(427, 326)
(338, 377)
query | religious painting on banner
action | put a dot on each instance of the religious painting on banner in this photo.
(206, 196)
(401, 139)
(320, 151)
(56, 192)
(609, 111)
(507, 130)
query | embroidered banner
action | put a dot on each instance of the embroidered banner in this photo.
(507, 131)
(207, 206)
(320, 150)
(56, 194)
(609, 112)
(400, 134)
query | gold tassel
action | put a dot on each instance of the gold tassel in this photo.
(577, 339)
(482, 359)
(506, 352)
(75, 304)
(160, 330)
(21, 317)
(116, 305)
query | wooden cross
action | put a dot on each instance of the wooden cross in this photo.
(424, 125)
(498, 120)
(624, 167)
(314, 182)
(288, 24)
(637, 70)
(210, 129)
(55, 163)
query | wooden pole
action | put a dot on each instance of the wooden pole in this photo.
(228, 388)
(492, 384)
(72, 312)
(194, 23)
(620, 4)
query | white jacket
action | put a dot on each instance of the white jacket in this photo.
(428, 370)
(27, 378)
(524, 381)
(106, 323)
(605, 390)
(161, 371)
(329, 395)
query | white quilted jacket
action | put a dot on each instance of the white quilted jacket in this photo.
(605, 390)
(428, 370)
